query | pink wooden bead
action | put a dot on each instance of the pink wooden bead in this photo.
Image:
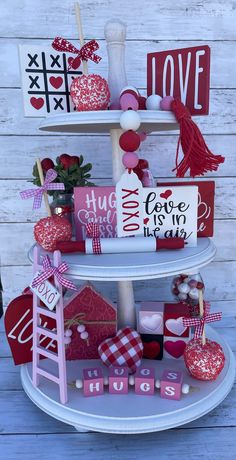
(128, 101)
(166, 102)
(143, 136)
(130, 160)
(118, 380)
(93, 381)
(171, 384)
(67, 340)
(144, 381)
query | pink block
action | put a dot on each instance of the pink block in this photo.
(93, 381)
(118, 380)
(150, 318)
(171, 384)
(144, 381)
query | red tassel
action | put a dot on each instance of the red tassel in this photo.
(197, 156)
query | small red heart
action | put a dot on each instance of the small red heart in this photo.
(166, 194)
(146, 220)
(74, 62)
(56, 82)
(151, 350)
(175, 349)
(37, 102)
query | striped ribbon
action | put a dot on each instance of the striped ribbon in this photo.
(199, 323)
(49, 270)
(93, 232)
(38, 192)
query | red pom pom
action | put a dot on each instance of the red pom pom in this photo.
(49, 230)
(129, 141)
(204, 362)
(47, 164)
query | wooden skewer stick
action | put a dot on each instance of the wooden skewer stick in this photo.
(201, 307)
(81, 36)
(45, 196)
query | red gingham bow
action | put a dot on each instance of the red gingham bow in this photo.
(85, 53)
(38, 192)
(93, 232)
(199, 323)
(49, 270)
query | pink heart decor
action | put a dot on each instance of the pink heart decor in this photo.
(175, 349)
(124, 349)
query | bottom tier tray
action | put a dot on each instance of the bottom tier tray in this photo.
(131, 413)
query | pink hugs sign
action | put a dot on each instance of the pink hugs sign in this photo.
(95, 204)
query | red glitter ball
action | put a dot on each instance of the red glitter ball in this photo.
(129, 141)
(49, 230)
(204, 362)
(90, 92)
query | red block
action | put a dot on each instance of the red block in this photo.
(173, 314)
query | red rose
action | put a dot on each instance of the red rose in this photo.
(47, 164)
(74, 160)
(65, 160)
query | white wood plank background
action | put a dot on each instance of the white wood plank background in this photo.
(152, 25)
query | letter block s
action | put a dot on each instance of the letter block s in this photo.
(171, 384)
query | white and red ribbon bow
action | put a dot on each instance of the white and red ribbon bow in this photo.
(199, 323)
(84, 54)
(93, 232)
(49, 270)
(38, 192)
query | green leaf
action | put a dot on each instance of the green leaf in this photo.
(81, 159)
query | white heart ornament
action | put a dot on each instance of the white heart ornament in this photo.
(175, 326)
(151, 323)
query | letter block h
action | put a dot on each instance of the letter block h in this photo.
(93, 381)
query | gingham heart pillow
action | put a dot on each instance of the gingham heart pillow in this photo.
(125, 349)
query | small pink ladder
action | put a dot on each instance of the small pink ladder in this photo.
(57, 335)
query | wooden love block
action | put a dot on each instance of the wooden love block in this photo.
(171, 384)
(93, 381)
(182, 73)
(19, 329)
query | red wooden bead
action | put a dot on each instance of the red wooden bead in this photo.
(142, 103)
(129, 141)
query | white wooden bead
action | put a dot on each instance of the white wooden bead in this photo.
(81, 328)
(194, 294)
(79, 383)
(153, 102)
(131, 380)
(106, 380)
(183, 288)
(157, 383)
(182, 296)
(130, 120)
(67, 340)
(185, 388)
(84, 335)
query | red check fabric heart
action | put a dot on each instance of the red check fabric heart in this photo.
(125, 349)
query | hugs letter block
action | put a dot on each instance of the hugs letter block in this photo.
(173, 325)
(118, 380)
(150, 318)
(93, 381)
(171, 384)
(144, 381)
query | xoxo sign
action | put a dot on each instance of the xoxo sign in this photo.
(46, 292)
(129, 197)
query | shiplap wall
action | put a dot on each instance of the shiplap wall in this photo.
(152, 25)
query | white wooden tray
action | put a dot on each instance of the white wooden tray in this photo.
(118, 267)
(104, 120)
(130, 414)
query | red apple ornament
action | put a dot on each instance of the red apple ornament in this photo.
(90, 92)
(49, 230)
(204, 362)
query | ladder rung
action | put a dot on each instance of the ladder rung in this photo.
(46, 312)
(44, 331)
(48, 354)
(47, 375)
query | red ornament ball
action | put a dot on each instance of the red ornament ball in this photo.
(49, 230)
(129, 141)
(90, 92)
(204, 362)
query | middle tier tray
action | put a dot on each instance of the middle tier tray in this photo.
(138, 266)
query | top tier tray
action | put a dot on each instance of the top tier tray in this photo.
(104, 121)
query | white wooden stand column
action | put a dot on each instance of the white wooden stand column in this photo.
(115, 34)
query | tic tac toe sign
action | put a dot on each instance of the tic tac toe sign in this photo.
(45, 81)
(182, 73)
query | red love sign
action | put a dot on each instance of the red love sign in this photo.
(182, 73)
(19, 329)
